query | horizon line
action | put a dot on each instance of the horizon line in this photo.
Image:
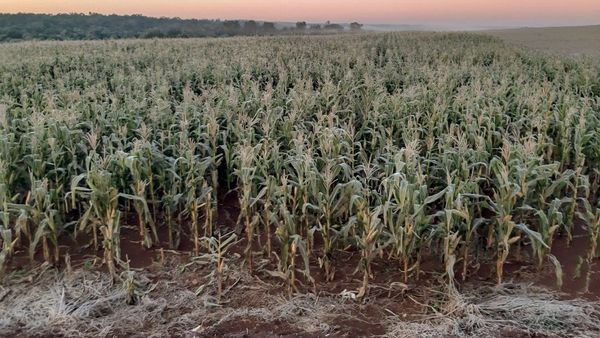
(427, 24)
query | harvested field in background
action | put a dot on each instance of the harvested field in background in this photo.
(571, 41)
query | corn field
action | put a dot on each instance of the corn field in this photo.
(398, 146)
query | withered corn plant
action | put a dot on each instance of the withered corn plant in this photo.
(397, 147)
(218, 246)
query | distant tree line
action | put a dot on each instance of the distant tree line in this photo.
(97, 27)
(302, 26)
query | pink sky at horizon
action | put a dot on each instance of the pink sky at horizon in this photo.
(442, 12)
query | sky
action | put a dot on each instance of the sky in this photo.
(430, 12)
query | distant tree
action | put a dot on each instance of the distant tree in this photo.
(232, 27)
(99, 34)
(97, 26)
(250, 27)
(333, 26)
(301, 25)
(154, 33)
(174, 33)
(355, 26)
(14, 34)
(315, 27)
(268, 27)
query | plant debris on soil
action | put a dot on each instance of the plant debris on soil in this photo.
(175, 297)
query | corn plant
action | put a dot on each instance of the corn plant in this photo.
(6, 231)
(513, 185)
(406, 197)
(42, 211)
(550, 221)
(591, 217)
(366, 225)
(331, 201)
(399, 145)
(246, 176)
(292, 244)
(369, 226)
(198, 193)
(8, 244)
(171, 203)
(138, 188)
(217, 250)
(196, 200)
(101, 205)
(301, 176)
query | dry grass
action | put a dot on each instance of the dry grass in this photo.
(505, 310)
(571, 41)
(89, 304)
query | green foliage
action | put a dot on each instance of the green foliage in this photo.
(93, 26)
